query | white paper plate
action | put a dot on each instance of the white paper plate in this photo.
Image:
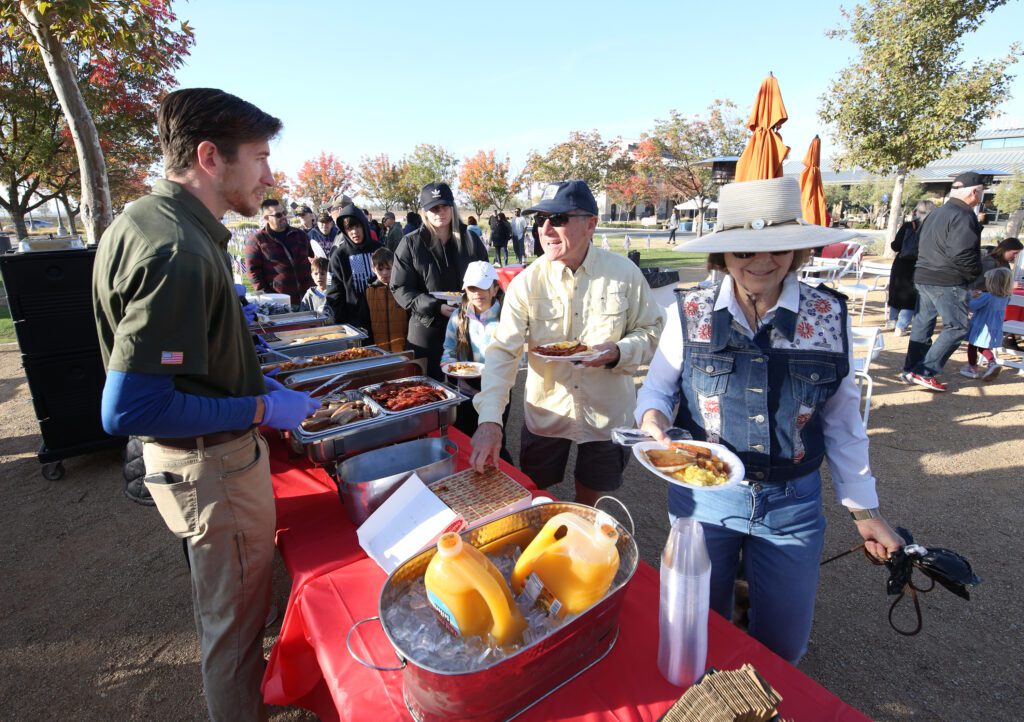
(452, 298)
(736, 469)
(585, 356)
(478, 369)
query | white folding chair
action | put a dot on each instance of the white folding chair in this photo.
(872, 276)
(1015, 328)
(867, 343)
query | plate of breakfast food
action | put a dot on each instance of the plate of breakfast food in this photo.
(463, 369)
(693, 464)
(564, 351)
(452, 298)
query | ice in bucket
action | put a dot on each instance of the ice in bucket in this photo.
(568, 566)
(469, 594)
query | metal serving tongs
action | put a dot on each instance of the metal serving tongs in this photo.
(327, 383)
(631, 437)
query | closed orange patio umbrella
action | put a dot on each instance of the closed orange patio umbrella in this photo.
(765, 151)
(812, 192)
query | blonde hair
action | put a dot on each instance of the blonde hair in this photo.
(999, 282)
(456, 224)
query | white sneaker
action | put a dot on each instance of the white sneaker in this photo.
(970, 372)
(899, 331)
(991, 373)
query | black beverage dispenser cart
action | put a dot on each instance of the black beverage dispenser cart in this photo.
(50, 297)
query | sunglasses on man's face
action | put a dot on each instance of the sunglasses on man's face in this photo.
(746, 256)
(279, 214)
(558, 219)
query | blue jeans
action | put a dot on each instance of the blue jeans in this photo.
(780, 528)
(902, 316)
(923, 356)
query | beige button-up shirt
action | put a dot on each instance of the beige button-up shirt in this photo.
(606, 299)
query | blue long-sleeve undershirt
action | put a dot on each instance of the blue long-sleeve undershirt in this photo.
(139, 404)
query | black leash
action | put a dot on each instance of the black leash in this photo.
(909, 586)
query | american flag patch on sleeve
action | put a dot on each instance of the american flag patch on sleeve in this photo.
(172, 358)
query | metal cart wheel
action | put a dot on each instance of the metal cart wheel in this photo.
(53, 471)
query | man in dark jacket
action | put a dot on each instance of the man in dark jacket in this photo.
(325, 233)
(393, 232)
(948, 262)
(277, 256)
(351, 270)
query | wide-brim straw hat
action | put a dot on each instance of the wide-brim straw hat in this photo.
(764, 215)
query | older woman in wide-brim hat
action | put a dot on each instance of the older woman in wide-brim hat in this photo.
(762, 364)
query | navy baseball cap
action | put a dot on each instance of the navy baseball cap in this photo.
(565, 197)
(968, 180)
(436, 194)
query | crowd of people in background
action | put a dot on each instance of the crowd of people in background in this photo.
(340, 261)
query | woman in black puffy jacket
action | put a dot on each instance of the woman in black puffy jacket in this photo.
(430, 259)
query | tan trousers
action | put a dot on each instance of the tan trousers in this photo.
(221, 500)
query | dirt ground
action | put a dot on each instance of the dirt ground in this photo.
(97, 621)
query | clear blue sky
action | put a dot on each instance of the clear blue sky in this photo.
(364, 78)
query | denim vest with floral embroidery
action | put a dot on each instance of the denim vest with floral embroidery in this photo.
(763, 405)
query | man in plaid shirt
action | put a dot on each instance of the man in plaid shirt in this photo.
(277, 256)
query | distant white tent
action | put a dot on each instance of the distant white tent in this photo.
(691, 205)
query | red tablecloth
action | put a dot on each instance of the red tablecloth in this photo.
(334, 585)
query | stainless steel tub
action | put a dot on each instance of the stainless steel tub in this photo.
(367, 480)
(508, 687)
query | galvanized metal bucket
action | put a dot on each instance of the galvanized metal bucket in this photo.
(506, 688)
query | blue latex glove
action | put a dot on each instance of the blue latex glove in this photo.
(249, 311)
(272, 383)
(261, 344)
(287, 409)
(240, 290)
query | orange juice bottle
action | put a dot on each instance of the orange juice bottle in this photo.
(469, 594)
(569, 565)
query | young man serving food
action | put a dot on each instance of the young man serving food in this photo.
(576, 295)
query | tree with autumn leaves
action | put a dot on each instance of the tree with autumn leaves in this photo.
(381, 181)
(488, 183)
(118, 36)
(322, 178)
(671, 154)
(583, 155)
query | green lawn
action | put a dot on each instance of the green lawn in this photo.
(6, 325)
(656, 257)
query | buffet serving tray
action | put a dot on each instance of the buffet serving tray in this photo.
(450, 394)
(281, 338)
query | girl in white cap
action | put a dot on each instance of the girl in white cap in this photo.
(469, 333)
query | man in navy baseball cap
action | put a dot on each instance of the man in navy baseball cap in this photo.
(566, 197)
(583, 296)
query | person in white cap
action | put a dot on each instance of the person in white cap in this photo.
(470, 331)
(762, 364)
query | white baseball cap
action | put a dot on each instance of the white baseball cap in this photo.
(479, 274)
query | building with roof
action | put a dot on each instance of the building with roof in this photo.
(995, 152)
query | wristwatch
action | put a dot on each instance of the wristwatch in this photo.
(862, 514)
